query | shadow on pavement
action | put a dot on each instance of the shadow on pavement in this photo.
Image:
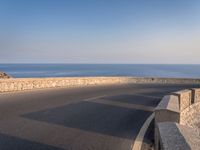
(8, 142)
(135, 99)
(95, 117)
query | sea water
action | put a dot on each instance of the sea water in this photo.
(82, 70)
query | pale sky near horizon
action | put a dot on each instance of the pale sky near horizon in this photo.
(100, 31)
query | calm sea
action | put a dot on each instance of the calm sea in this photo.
(80, 70)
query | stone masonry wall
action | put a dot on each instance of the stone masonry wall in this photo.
(191, 116)
(10, 85)
(188, 108)
(19, 84)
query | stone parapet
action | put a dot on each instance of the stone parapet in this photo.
(10, 85)
(174, 136)
(168, 109)
(177, 121)
(20, 84)
(191, 117)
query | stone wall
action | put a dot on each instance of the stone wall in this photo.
(180, 110)
(191, 116)
(174, 136)
(9, 85)
(19, 84)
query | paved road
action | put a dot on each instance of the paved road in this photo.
(97, 118)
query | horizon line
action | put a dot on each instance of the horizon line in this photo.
(13, 63)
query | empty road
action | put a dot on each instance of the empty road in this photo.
(91, 118)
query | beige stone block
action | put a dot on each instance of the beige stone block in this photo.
(196, 95)
(185, 98)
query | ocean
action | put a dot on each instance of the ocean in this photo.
(82, 70)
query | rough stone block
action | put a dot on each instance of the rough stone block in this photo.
(185, 98)
(195, 95)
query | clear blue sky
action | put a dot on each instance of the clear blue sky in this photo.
(100, 31)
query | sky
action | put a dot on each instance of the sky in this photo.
(100, 31)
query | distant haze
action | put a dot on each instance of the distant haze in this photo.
(100, 31)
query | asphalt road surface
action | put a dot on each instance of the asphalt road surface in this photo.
(92, 118)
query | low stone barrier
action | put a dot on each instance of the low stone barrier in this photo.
(19, 84)
(177, 121)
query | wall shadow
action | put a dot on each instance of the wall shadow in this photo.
(8, 142)
(134, 99)
(95, 117)
(148, 97)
